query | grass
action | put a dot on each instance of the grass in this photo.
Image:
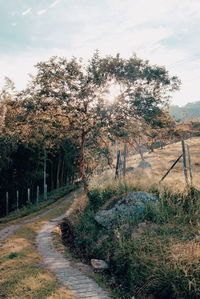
(162, 262)
(23, 274)
(160, 160)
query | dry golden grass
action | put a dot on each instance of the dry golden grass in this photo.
(160, 160)
(61, 293)
(77, 207)
(188, 252)
(22, 272)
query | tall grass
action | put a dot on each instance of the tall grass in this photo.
(160, 161)
(163, 261)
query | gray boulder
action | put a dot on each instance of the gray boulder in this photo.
(125, 209)
(144, 164)
(130, 168)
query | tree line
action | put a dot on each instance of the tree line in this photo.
(61, 126)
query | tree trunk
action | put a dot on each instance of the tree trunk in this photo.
(45, 174)
(52, 174)
(141, 153)
(151, 148)
(82, 161)
(117, 169)
(62, 172)
(124, 161)
(58, 172)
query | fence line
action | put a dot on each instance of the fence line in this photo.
(190, 164)
(185, 170)
(16, 205)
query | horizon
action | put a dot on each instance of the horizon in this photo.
(166, 34)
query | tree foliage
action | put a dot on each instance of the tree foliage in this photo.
(64, 118)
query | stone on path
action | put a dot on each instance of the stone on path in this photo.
(99, 264)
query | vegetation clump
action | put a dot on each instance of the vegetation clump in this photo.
(161, 261)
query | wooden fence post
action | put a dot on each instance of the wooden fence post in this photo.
(38, 193)
(28, 193)
(190, 164)
(185, 163)
(7, 202)
(17, 200)
(45, 192)
(117, 164)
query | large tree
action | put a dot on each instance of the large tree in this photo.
(79, 91)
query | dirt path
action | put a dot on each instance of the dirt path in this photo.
(75, 280)
(7, 231)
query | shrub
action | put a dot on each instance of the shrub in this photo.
(162, 261)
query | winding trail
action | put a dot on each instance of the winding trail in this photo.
(7, 231)
(82, 286)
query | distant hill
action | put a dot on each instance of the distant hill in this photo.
(188, 111)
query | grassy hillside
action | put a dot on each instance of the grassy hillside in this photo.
(162, 261)
(160, 161)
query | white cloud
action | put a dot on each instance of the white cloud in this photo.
(139, 12)
(156, 30)
(55, 3)
(26, 12)
(14, 24)
(41, 12)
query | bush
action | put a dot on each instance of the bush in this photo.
(163, 261)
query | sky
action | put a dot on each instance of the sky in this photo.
(165, 32)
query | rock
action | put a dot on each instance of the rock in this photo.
(99, 264)
(144, 164)
(130, 168)
(125, 209)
